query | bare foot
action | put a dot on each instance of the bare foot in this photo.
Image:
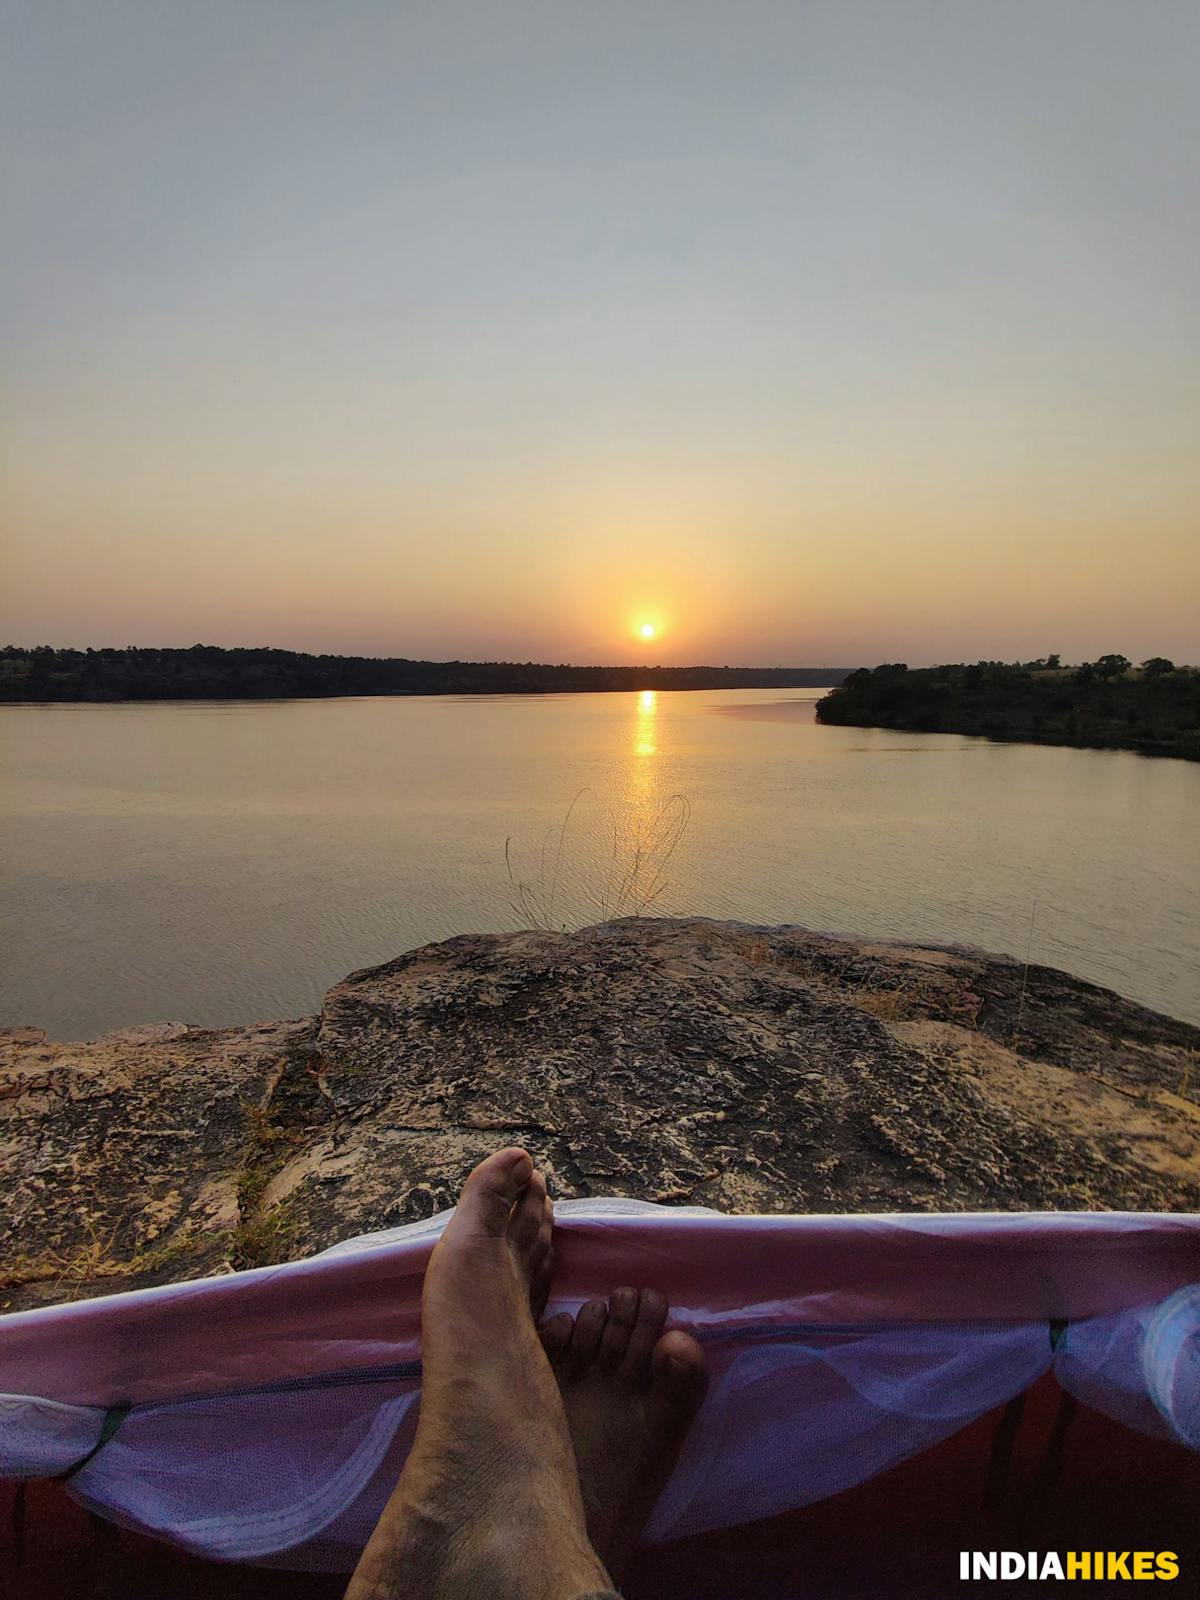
(488, 1503)
(630, 1393)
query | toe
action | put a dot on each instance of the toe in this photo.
(586, 1336)
(651, 1316)
(526, 1225)
(680, 1374)
(622, 1315)
(491, 1191)
(540, 1261)
(556, 1336)
(541, 1249)
(539, 1282)
(546, 1227)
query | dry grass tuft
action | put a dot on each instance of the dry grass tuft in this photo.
(262, 1237)
(96, 1260)
(635, 874)
(263, 1240)
(889, 1005)
(887, 997)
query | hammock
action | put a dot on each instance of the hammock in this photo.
(262, 1417)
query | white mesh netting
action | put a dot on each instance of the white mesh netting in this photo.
(295, 1471)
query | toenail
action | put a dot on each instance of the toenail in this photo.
(624, 1302)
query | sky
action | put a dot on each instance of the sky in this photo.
(825, 332)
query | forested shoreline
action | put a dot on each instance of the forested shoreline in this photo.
(209, 672)
(1103, 704)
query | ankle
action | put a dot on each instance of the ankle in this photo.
(532, 1563)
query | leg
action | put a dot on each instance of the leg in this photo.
(488, 1504)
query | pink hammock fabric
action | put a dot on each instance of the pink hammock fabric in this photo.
(263, 1416)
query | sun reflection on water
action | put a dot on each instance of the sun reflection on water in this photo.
(645, 742)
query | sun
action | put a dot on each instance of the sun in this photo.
(647, 630)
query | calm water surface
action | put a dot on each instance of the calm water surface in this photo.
(222, 863)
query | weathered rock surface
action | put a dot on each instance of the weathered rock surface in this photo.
(750, 1069)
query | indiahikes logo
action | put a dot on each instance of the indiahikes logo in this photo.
(1091, 1565)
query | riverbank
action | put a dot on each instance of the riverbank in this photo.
(682, 1061)
(1155, 712)
(207, 672)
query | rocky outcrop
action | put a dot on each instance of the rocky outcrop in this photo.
(750, 1069)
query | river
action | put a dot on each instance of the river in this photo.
(223, 863)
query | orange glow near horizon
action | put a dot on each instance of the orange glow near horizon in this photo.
(623, 373)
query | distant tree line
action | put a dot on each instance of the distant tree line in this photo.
(208, 672)
(1107, 703)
